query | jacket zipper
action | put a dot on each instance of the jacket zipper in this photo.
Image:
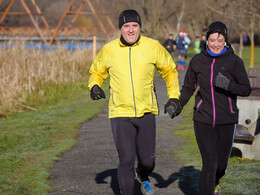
(212, 93)
(130, 66)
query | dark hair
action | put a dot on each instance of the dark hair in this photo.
(217, 27)
(220, 28)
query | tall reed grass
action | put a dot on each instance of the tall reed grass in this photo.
(26, 70)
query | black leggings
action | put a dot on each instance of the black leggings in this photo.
(215, 145)
(134, 137)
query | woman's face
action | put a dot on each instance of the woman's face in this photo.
(216, 43)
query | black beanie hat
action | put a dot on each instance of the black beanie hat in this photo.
(217, 27)
(129, 15)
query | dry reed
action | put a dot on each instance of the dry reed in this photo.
(24, 70)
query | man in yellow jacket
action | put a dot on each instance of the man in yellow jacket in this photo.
(130, 61)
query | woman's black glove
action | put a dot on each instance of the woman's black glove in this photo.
(97, 93)
(173, 107)
(222, 81)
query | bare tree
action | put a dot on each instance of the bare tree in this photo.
(161, 17)
(155, 14)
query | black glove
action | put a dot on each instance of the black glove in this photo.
(222, 81)
(173, 107)
(97, 93)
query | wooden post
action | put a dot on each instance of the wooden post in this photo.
(94, 46)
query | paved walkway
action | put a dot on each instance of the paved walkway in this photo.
(90, 167)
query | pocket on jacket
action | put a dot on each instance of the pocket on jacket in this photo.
(152, 97)
(230, 105)
(199, 104)
(112, 99)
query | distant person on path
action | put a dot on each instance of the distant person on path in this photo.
(219, 76)
(187, 43)
(245, 38)
(203, 43)
(170, 45)
(180, 42)
(197, 45)
(130, 63)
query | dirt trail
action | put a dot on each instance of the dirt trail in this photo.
(90, 167)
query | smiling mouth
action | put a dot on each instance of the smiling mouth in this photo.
(216, 48)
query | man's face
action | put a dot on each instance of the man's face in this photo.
(216, 43)
(130, 32)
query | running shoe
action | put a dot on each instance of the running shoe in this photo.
(180, 67)
(217, 190)
(147, 188)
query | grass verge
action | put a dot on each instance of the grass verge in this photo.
(246, 57)
(31, 141)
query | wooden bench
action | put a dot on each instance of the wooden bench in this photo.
(242, 135)
(254, 78)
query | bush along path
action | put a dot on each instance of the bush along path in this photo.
(90, 167)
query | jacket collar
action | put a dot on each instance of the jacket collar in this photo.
(215, 55)
(123, 43)
(228, 51)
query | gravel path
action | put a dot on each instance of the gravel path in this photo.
(90, 167)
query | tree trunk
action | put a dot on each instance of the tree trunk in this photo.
(252, 45)
(241, 45)
(179, 19)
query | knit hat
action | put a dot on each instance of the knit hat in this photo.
(181, 32)
(129, 15)
(217, 27)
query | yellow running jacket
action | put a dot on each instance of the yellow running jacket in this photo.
(131, 71)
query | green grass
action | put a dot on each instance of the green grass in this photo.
(246, 57)
(242, 177)
(189, 149)
(31, 141)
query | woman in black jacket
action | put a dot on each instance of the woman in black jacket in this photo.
(218, 76)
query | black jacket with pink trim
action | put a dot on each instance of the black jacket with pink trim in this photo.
(214, 105)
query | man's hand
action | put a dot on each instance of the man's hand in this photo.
(173, 107)
(222, 81)
(97, 93)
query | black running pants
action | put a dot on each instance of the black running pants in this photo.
(134, 137)
(215, 144)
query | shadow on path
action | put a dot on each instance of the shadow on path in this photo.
(188, 178)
